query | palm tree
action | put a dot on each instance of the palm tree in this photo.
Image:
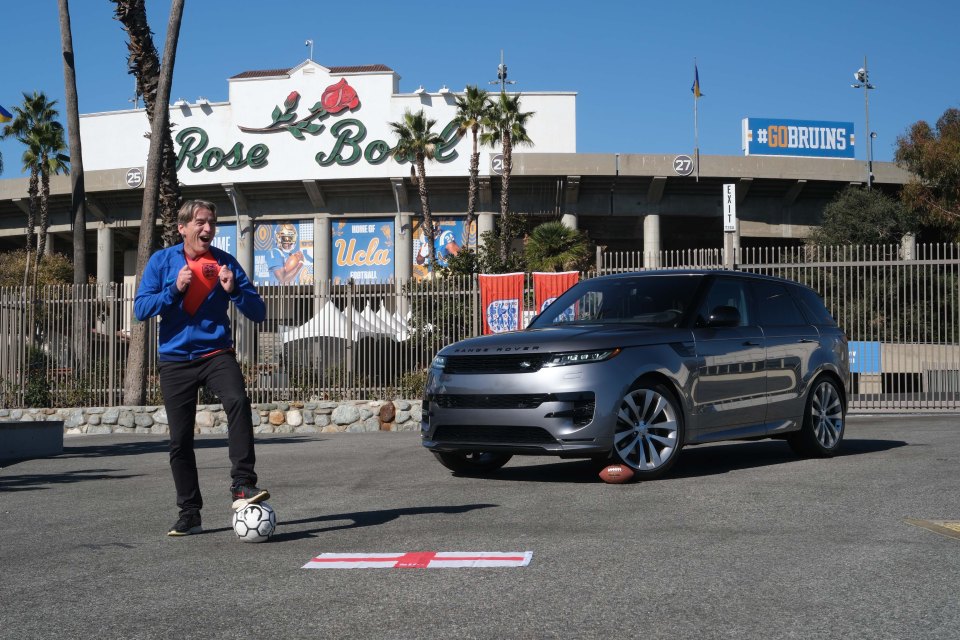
(31, 163)
(416, 141)
(144, 64)
(506, 124)
(52, 161)
(553, 246)
(134, 385)
(78, 205)
(472, 108)
(33, 123)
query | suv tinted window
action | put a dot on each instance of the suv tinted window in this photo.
(775, 306)
(813, 306)
(726, 292)
(659, 300)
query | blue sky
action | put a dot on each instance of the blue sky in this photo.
(630, 62)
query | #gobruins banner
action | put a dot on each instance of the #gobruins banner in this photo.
(501, 296)
(547, 287)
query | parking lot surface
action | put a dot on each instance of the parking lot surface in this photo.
(741, 540)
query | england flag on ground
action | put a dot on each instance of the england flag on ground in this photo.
(420, 560)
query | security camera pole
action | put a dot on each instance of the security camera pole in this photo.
(863, 81)
(502, 76)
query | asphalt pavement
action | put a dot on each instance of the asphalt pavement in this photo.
(741, 540)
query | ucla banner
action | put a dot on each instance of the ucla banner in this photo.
(226, 238)
(501, 297)
(449, 236)
(283, 253)
(810, 138)
(362, 249)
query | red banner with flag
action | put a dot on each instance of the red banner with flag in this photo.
(501, 296)
(547, 287)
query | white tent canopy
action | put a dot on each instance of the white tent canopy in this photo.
(330, 322)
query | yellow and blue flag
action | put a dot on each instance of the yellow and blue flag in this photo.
(5, 115)
(696, 83)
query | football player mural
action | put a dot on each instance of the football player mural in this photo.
(449, 236)
(283, 253)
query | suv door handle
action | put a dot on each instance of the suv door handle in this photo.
(751, 343)
(805, 340)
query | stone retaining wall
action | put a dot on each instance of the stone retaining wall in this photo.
(278, 417)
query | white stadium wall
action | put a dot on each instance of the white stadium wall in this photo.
(116, 140)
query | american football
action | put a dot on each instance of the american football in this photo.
(616, 474)
(293, 261)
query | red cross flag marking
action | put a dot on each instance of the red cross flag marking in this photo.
(420, 560)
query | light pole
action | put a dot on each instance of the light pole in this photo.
(863, 81)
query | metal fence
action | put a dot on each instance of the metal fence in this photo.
(67, 346)
(897, 304)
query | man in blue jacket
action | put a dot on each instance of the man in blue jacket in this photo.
(190, 286)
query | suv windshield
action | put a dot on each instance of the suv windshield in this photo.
(658, 300)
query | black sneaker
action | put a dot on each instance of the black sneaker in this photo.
(188, 524)
(247, 494)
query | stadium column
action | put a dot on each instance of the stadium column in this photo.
(484, 223)
(651, 241)
(485, 213)
(731, 243)
(403, 258)
(403, 267)
(571, 200)
(104, 254)
(321, 261)
(244, 226)
(245, 242)
(403, 233)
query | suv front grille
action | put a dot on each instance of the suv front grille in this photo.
(507, 401)
(580, 406)
(513, 363)
(492, 434)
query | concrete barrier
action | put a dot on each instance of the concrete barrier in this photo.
(20, 440)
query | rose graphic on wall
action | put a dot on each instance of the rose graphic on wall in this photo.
(338, 97)
(335, 98)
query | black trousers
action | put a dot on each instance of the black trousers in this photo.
(179, 383)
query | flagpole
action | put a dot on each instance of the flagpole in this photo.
(696, 132)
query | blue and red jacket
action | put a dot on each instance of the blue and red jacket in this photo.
(185, 337)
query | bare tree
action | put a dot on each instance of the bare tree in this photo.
(77, 205)
(134, 387)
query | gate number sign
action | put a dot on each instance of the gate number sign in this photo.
(683, 165)
(729, 207)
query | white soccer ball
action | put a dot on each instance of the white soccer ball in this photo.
(255, 522)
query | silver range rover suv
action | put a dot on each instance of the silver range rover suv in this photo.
(631, 368)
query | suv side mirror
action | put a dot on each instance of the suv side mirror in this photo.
(724, 316)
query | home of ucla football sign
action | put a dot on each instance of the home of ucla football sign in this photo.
(811, 138)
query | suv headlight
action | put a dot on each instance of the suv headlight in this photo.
(439, 362)
(580, 357)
